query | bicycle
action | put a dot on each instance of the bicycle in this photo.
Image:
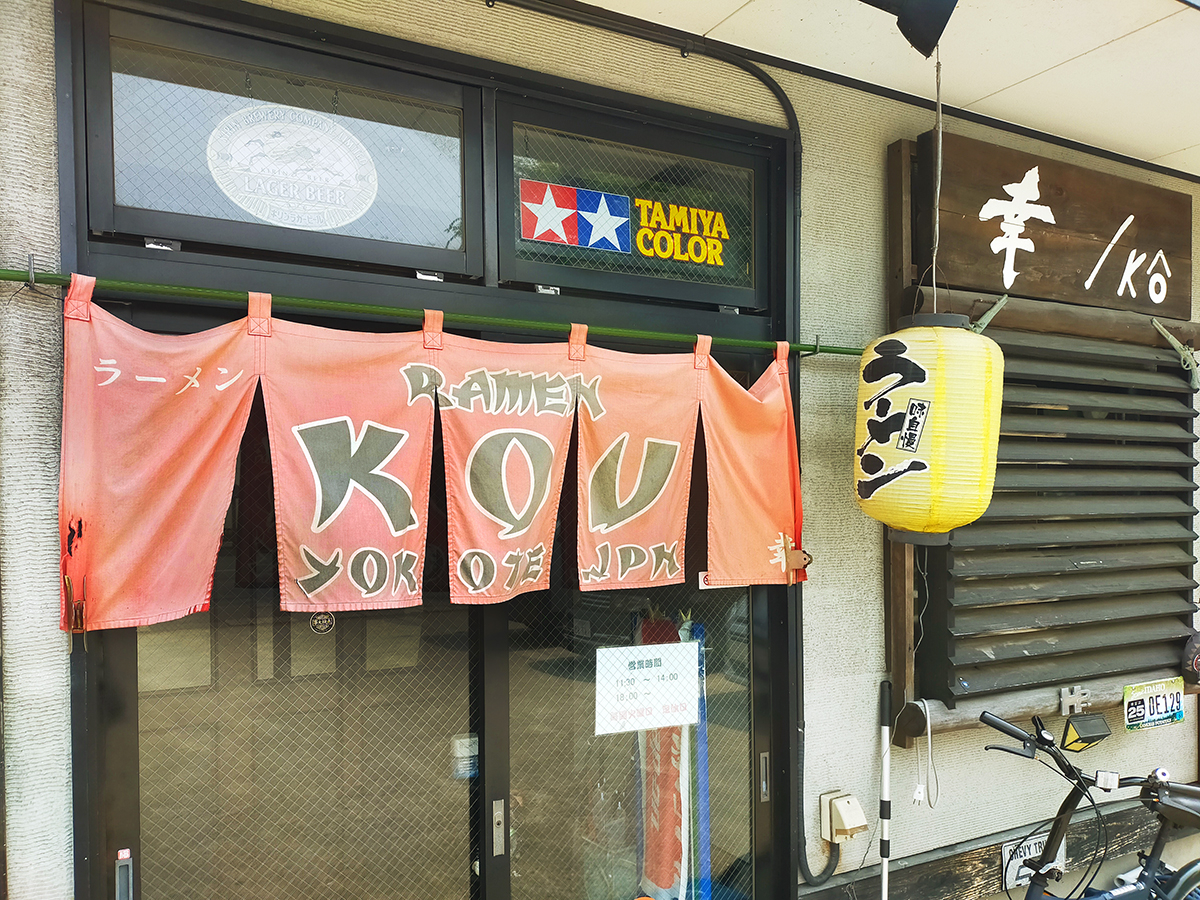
(1176, 805)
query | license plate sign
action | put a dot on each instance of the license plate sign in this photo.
(1013, 872)
(1153, 703)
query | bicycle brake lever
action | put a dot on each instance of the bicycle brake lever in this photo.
(1028, 749)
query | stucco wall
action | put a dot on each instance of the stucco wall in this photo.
(37, 746)
(842, 300)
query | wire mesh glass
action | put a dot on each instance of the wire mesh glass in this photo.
(285, 756)
(658, 811)
(609, 207)
(224, 140)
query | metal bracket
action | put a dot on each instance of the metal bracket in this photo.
(75, 610)
(986, 318)
(1074, 699)
(32, 274)
(816, 349)
(1187, 358)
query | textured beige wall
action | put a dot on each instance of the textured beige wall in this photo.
(37, 745)
(842, 299)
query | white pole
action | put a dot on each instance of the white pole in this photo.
(885, 785)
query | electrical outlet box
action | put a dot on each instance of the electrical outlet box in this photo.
(841, 816)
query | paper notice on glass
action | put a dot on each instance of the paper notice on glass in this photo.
(647, 686)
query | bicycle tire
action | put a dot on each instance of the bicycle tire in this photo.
(1183, 883)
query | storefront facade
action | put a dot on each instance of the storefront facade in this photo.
(450, 748)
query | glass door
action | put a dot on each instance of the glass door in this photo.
(294, 756)
(601, 808)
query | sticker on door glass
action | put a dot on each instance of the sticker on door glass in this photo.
(1153, 703)
(647, 686)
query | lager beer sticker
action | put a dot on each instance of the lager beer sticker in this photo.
(1153, 703)
(292, 167)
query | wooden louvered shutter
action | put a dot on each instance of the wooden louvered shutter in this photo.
(1082, 565)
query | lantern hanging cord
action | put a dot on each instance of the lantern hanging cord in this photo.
(463, 319)
(937, 173)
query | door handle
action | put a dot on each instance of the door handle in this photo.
(498, 828)
(124, 887)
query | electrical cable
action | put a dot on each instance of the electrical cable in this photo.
(937, 184)
(835, 850)
(931, 789)
(862, 862)
(922, 553)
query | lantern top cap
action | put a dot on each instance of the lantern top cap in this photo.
(935, 320)
(921, 538)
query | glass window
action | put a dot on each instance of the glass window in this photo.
(224, 140)
(593, 204)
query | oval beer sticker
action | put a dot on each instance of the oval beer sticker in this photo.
(292, 167)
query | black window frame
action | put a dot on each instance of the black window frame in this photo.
(105, 216)
(642, 135)
(123, 257)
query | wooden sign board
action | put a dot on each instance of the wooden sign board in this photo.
(1028, 226)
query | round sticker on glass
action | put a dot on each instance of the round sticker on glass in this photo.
(292, 167)
(321, 622)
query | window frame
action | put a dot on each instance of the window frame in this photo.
(105, 216)
(641, 135)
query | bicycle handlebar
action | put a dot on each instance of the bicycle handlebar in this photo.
(1154, 780)
(1156, 794)
(1008, 728)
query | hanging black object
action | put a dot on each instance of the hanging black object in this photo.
(920, 21)
(1191, 660)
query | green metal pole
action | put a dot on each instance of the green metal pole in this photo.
(194, 293)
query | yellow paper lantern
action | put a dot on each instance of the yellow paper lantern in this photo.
(928, 425)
